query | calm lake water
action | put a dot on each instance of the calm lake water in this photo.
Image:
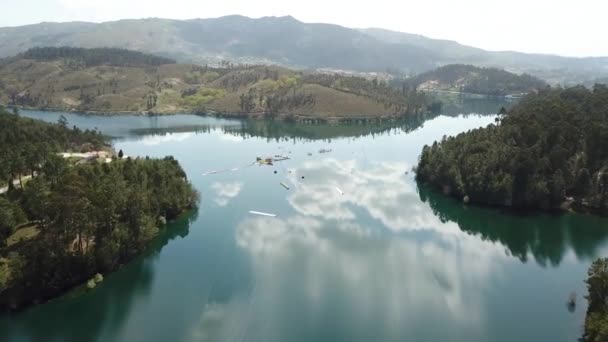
(357, 252)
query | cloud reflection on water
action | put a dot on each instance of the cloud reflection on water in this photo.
(383, 190)
(398, 284)
(226, 191)
(328, 260)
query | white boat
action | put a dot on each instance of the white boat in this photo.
(261, 213)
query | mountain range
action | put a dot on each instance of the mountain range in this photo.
(288, 42)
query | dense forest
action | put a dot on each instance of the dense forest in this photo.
(114, 80)
(26, 144)
(596, 322)
(71, 219)
(95, 57)
(547, 152)
(471, 79)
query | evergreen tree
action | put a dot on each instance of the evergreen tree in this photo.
(548, 148)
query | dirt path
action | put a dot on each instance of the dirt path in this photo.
(16, 183)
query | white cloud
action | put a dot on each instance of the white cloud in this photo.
(153, 140)
(226, 192)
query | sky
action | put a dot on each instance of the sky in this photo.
(564, 27)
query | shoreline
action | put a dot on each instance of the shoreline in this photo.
(319, 118)
(79, 288)
(573, 206)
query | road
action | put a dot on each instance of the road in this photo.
(15, 183)
(104, 154)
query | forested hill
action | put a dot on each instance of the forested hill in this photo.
(113, 80)
(546, 152)
(25, 144)
(62, 220)
(471, 79)
(95, 57)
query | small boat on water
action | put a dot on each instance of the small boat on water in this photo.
(261, 213)
(270, 160)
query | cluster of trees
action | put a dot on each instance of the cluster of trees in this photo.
(95, 57)
(274, 97)
(471, 79)
(25, 98)
(247, 101)
(89, 217)
(274, 104)
(27, 144)
(548, 149)
(151, 100)
(241, 78)
(596, 322)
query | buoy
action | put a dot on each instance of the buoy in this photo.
(572, 299)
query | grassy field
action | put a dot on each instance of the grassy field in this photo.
(22, 234)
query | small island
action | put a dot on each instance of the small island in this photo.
(548, 152)
(71, 210)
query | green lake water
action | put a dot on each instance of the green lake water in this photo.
(357, 252)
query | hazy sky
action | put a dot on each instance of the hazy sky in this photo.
(566, 27)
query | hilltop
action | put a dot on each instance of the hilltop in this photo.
(115, 80)
(289, 42)
(471, 79)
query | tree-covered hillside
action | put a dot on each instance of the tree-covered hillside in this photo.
(547, 151)
(112, 80)
(471, 79)
(64, 220)
(596, 321)
(95, 57)
(26, 145)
